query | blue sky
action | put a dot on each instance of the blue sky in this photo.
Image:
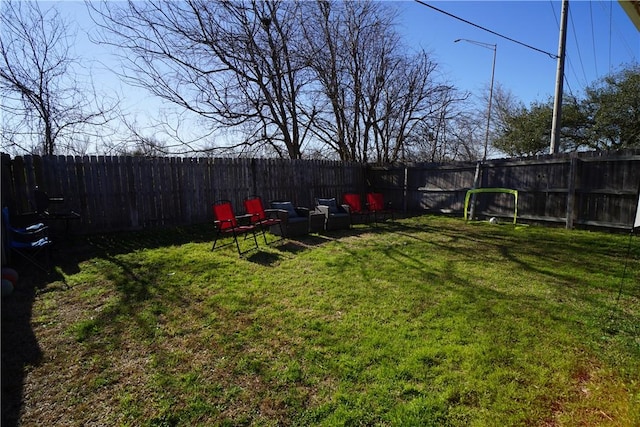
(600, 38)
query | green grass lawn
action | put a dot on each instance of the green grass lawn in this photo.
(427, 321)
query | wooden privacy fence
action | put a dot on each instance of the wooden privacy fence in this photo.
(127, 193)
(590, 189)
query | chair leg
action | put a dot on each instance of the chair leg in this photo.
(281, 231)
(215, 240)
(32, 259)
(255, 241)
(264, 234)
(265, 228)
(235, 238)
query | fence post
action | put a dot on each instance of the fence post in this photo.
(405, 188)
(571, 191)
(476, 183)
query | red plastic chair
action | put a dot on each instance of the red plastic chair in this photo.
(227, 223)
(377, 206)
(355, 206)
(262, 218)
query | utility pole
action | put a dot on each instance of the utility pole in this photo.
(493, 47)
(476, 178)
(557, 103)
(493, 72)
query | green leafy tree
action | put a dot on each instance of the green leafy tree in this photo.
(613, 107)
(525, 131)
(607, 119)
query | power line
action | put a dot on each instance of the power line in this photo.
(622, 40)
(571, 92)
(593, 39)
(610, 30)
(575, 37)
(568, 59)
(553, 56)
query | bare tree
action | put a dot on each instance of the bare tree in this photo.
(45, 108)
(370, 95)
(330, 77)
(350, 49)
(457, 129)
(411, 96)
(448, 134)
(324, 58)
(235, 64)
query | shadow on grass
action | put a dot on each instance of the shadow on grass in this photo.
(20, 348)
(293, 246)
(125, 242)
(607, 309)
(137, 286)
(264, 258)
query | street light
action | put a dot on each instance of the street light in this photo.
(494, 47)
